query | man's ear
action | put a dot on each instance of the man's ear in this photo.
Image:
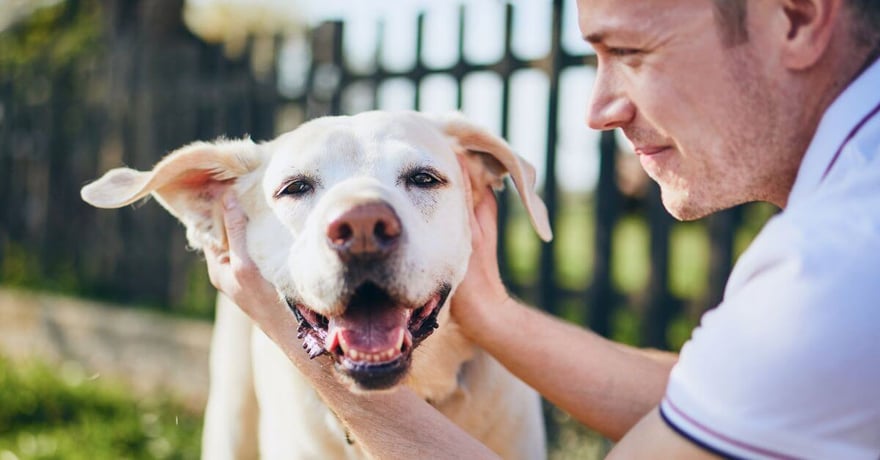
(488, 159)
(808, 26)
(188, 182)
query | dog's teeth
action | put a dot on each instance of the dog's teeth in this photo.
(344, 345)
(377, 357)
(332, 340)
(399, 342)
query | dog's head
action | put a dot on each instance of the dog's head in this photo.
(359, 222)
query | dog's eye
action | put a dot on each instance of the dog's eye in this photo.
(296, 188)
(423, 179)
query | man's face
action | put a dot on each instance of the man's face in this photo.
(701, 115)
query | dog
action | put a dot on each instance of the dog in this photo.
(361, 225)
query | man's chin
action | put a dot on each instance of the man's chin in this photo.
(684, 207)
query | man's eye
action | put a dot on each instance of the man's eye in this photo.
(621, 52)
(296, 188)
(423, 179)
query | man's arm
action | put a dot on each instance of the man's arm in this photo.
(387, 425)
(653, 438)
(605, 385)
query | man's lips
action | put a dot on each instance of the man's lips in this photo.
(649, 150)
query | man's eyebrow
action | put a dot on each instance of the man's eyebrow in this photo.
(601, 35)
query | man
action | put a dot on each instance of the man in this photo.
(726, 102)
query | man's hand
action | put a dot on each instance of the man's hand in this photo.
(481, 291)
(235, 274)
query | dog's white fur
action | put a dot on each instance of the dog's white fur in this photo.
(255, 391)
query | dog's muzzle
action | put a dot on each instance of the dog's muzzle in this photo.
(372, 339)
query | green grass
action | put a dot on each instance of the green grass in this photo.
(60, 413)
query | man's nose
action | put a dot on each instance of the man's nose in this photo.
(609, 106)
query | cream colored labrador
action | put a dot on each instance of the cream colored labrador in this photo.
(361, 225)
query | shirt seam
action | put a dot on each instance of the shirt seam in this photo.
(714, 434)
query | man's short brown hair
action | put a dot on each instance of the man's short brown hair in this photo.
(867, 22)
(731, 18)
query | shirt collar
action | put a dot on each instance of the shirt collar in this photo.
(850, 107)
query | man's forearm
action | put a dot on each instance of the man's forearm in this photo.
(387, 424)
(605, 385)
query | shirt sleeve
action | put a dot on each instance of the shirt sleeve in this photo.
(788, 366)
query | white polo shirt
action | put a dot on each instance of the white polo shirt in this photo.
(788, 366)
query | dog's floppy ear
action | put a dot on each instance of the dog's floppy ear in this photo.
(187, 182)
(488, 159)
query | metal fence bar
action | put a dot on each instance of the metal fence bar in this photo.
(602, 297)
(660, 306)
(547, 266)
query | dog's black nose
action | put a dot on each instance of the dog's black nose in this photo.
(366, 229)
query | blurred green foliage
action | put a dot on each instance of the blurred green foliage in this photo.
(49, 413)
(573, 441)
(61, 413)
(50, 41)
(20, 268)
(574, 231)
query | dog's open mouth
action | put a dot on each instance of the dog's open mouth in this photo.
(372, 341)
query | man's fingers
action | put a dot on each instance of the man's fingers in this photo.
(235, 221)
(466, 179)
(488, 203)
(216, 256)
(481, 204)
(486, 211)
(216, 261)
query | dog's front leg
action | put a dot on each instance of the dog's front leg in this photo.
(230, 428)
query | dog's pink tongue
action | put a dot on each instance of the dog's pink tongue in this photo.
(371, 334)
